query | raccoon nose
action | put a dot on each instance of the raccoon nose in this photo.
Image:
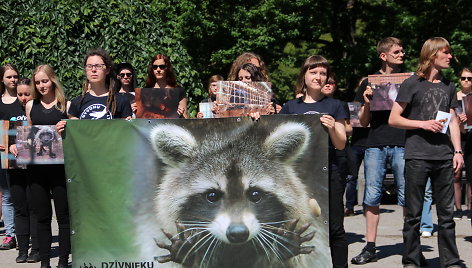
(237, 233)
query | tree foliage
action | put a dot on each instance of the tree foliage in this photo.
(203, 37)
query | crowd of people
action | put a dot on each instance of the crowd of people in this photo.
(426, 163)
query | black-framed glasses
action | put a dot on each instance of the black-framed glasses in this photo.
(123, 75)
(160, 66)
(468, 78)
(96, 66)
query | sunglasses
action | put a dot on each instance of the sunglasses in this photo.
(463, 78)
(160, 66)
(123, 75)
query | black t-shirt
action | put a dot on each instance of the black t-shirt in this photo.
(93, 107)
(359, 136)
(42, 116)
(424, 100)
(326, 105)
(12, 112)
(380, 133)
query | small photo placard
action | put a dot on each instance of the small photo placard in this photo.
(444, 118)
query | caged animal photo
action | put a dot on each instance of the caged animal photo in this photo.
(39, 144)
(246, 196)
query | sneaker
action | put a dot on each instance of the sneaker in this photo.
(22, 257)
(365, 257)
(348, 212)
(8, 243)
(33, 256)
(457, 215)
(409, 265)
(426, 234)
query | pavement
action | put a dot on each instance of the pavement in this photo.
(389, 241)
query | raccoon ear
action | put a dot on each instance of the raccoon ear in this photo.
(288, 141)
(172, 144)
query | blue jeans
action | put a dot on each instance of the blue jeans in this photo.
(426, 216)
(7, 205)
(375, 167)
(356, 156)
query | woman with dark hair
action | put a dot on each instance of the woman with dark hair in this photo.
(160, 74)
(99, 99)
(10, 109)
(311, 80)
(248, 57)
(126, 82)
(249, 72)
(465, 80)
(19, 180)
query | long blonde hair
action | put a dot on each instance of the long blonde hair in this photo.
(428, 54)
(58, 90)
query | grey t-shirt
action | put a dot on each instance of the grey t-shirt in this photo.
(424, 100)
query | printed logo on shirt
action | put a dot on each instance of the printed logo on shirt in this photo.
(312, 112)
(19, 118)
(96, 111)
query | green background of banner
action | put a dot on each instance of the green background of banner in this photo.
(97, 158)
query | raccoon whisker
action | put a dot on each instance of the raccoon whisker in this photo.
(196, 244)
(274, 235)
(271, 246)
(274, 222)
(190, 229)
(217, 244)
(193, 222)
(262, 245)
(213, 239)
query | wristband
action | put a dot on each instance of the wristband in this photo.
(458, 152)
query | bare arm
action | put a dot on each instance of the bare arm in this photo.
(29, 106)
(397, 120)
(458, 159)
(336, 131)
(182, 108)
(348, 127)
(364, 112)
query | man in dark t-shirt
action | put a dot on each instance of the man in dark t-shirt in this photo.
(422, 107)
(384, 145)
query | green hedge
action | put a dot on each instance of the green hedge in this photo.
(59, 32)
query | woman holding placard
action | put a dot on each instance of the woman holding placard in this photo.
(160, 75)
(48, 107)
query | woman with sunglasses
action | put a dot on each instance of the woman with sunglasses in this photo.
(466, 138)
(160, 74)
(126, 82)
(99, 99)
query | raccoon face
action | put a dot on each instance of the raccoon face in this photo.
(233, 212)
(234, 188)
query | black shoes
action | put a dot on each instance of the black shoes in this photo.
(457, 215)
(365, 257)
(22, 257)
(33, 256)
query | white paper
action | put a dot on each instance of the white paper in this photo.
(445, 119)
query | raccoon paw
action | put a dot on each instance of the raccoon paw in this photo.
(290, 240)
(182, 248)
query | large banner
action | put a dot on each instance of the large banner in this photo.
(228, 192)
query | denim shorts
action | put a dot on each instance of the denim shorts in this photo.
(375, 167)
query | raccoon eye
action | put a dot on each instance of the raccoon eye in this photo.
(213, 197)
(255, 196)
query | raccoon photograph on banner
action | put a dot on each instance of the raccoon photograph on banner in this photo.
(225, 192)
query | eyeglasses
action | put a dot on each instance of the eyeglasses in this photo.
(160, 66)
(96, 66)
(463, 78)
(122, 75)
